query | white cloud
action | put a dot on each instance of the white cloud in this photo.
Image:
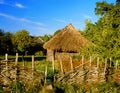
(8, 16)
(21, 19)
(19, 5)
(1, 1)
(60, 20)
(87, 16)
(37, 30)
(29, 21)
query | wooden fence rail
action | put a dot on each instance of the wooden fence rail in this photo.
(11, 71)
(92, 69)
(89, 64)
(96, 63)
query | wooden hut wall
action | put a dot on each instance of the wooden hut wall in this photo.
(64, 56)
(50, 55)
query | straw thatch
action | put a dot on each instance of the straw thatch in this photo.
(67, 40)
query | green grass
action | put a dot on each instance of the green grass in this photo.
(25, 58)
(39, 62)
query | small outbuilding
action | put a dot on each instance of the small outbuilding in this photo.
(68, 40)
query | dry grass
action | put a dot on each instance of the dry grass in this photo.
(68, 39)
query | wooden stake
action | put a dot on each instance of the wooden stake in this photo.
(98, 68)
(110, 62)
(82, 61)
(6, 56)
(23, 61)
(105, 65)
(116, 64)
(45, 75)
(33, 62)
(6, 60)
(97, 62)
(16, 73)
(53, 64)
(71, 64)
(16, 60)
(90, 61)
(61, 66)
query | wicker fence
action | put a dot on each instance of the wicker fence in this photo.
(92, 69)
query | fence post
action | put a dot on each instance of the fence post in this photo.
(6, 60)
(71, 64)
(110, 62)
(16, 60)
(97, 62)
(105, 65)
(82, 61)
(23, 60)
(90, 62)
(61, 66)
(116, 64)
(33, 63)
(98, 59)
(53, 64)
(45, 75)
(6, 56)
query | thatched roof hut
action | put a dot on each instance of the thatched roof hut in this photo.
(67, 40)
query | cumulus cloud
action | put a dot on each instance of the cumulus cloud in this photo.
(21, 19)
(19, 5)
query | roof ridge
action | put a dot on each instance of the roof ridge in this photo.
(69, 27)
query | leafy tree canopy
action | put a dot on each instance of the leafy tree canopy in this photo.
(46, 37)
(21, 40)
(104, 34)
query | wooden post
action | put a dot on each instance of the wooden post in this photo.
(98, 68)
(116, 64)
(82, 61)
(6, 56)
(6, 60)
(61, 66)
(45, 75)
(23, 60)
(97, 62)
(16, 60)
(90, 62)
(110, 62)
(53, 64)
(71, 64)
(33, 62)
(16, 73)
(105, 65)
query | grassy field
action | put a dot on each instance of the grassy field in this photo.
(21, 58)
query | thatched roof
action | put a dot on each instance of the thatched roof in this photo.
(68, 40)
(38, 40)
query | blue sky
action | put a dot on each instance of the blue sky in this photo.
(41, 17)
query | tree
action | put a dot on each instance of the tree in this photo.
(5, 42)
(56, 32)
(2, 41)
(21, 40)
(46, 37)
(102, 8)
(106, 31)
(8, 42)
(117, 1)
